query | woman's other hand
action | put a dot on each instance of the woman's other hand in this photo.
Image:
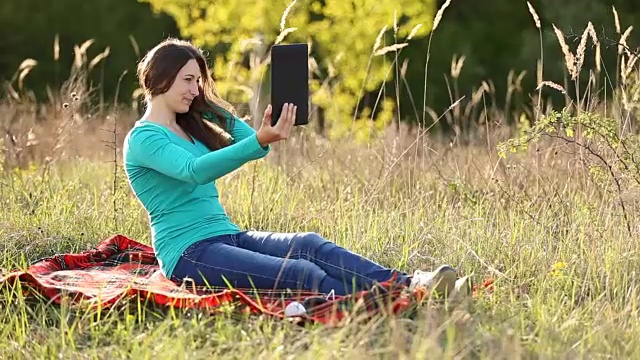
(268, 134)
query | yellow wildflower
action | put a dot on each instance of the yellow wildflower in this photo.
(558, 268)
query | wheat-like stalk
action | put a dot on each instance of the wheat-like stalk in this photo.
(598, 58)
(378, 41)
(395, 21)
(134, 44)
(414, 31)
(625, 98)
(56, 48)
(622, 45)
(77, 57)
(616, 19)
(456, 66)
(80, 53)
(628, 66)
(592, 33)
(25, 67)
(476, 96)
(552, 85)
(85, 46)
(582, 47)
(438, 17)
(285, 14)
(284, 33)
(27, 63)
(390, 48)
(403, 69)
(596, 42)
(12, 92)
(21, 77)
(534, 14)
(632, 61)
(103, 55)
(568, 56)
(539, 71)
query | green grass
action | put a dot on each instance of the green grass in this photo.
(455, 206)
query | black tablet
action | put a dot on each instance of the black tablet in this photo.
(290, 80)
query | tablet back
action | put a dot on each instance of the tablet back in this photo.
(290, 80)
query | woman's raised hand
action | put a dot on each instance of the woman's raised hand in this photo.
(268, 134)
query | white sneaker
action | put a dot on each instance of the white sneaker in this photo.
(295, 309)
(463, 288)
(441, 281)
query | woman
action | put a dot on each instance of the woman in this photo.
(187, 139)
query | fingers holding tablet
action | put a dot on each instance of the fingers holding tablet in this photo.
(289, 112)
(269, 133)
(287, 119)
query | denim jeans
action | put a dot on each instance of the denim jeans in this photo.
(266, 260)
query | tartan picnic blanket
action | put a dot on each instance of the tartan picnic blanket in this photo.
(120, 268)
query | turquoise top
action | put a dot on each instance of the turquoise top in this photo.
(174, 179)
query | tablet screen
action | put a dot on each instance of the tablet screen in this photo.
(290, 80)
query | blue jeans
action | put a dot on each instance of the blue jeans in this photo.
(266, 260)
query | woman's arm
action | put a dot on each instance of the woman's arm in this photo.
(152, 148)
(241, 130)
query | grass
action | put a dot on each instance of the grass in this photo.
(555, 245)
(553, 225)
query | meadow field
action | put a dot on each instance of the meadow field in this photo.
(555, 224)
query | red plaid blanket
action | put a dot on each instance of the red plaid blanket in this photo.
(120, 268)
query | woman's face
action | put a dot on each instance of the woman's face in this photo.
(184, 89)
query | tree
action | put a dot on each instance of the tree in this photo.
(352, 46)
(30, 28)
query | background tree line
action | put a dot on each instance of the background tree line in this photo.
(493, 41)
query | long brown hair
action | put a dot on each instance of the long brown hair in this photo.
(157, 72)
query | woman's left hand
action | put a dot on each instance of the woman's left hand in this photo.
(268, 134)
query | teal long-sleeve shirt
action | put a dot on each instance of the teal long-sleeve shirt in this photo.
(174, 180)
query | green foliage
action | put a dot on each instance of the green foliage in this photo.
(348, 41)
(348, 82)
(126, 27)
(609, 153)
(600, 136)
(563, 124)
